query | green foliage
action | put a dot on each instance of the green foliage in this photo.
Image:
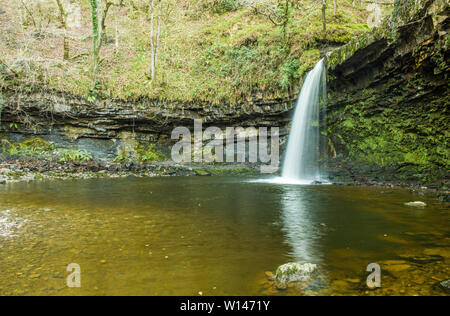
(29, 147)
(74, 155)
(36, 145)
(8, 147)
(122, 157)
(289, 72)
(13, 126)
(148, 153)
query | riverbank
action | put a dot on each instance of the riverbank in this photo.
(29, 169)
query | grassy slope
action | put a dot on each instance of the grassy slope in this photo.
(219, 58)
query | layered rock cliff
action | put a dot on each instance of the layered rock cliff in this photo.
(388, 111)
(110, 127)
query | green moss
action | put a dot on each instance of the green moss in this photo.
(202, 172)
(403, 134)
(29, 147)
(37, 145)
(232, 171)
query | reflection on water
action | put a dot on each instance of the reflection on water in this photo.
(215, 235)
(301, 233)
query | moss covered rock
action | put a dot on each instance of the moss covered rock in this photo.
(389, 98)
(294, 272)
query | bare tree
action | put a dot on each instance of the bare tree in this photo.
(158, 12)
(155, 33)
(280, 15)
(28, 11)
(96, 41)
(324, 18)
(98, 17)
(106, 8)
(63, 20)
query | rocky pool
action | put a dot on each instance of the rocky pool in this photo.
(217, 236)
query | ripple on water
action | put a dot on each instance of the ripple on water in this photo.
(288, 181)
(9, 224)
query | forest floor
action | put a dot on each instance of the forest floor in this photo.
(210, 53)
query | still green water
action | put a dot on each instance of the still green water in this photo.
(217, 236)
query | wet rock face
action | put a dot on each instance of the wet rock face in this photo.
(107, 118)
(388, 97)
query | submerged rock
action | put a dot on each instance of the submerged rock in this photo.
(445, 285)
(202, 173)
(418, 204)
(294, 272)
(443, 197)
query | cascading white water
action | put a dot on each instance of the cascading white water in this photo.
(301, 164)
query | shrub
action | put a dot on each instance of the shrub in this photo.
(73, 155)
(147, 153)
(221, 6)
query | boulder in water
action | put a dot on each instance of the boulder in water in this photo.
(417, 204)
(294, 272)
(445, 285)
(444, 196)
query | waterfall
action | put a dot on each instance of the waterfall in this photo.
(301, 164)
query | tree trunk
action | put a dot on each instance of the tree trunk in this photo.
(324, 18)
(334, 7)
(116, 38)
(158, 34)
(103, 22)
(95, 41)
(30, 14)
(152, 39)
(63, 20)
(155, 35)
